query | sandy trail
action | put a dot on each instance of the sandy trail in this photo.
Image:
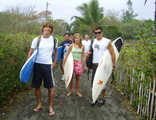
(73, 107)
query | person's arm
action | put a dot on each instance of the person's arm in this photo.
(90, 49)
(111, 50)
(66, 56)
(33, 47)
(84, 58)
(55, 57)
(30, 53)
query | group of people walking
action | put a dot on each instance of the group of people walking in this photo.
(80, 50)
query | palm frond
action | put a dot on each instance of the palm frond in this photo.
(91, 14)
(80, 19)
(145, 2)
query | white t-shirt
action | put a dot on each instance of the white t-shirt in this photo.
(45, 49)
(86, 43)
(99, 48)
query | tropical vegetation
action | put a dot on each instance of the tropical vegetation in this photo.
(19, 27)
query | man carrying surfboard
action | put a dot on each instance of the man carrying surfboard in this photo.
(99, 47)
(44, 65)
(65, 43)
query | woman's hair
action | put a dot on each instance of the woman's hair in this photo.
(74, 37)
(47, 24)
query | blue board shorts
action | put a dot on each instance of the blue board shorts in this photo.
(42, 72)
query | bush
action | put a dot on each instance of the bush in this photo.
(140, 55)
(112, 32)
(13, 52)
(135, 60)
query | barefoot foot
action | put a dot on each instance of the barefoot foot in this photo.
(79, 94)
(69, 94)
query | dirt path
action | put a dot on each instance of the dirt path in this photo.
(73, 107)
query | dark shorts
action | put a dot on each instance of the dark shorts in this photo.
(42, 72)
(94, 67)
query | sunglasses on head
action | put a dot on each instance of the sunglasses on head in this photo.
(97, 32)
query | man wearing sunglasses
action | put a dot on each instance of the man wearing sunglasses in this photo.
(100, 46)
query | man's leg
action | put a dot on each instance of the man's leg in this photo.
(62, 70)
(36, 83)
(103, 92)
(38, 97)
(51, 99)
(93, 74)
(101, 100)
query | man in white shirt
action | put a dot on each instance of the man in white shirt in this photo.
(99, 46)
(44, 65)
(86, 42)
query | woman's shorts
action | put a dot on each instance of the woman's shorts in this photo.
(78, 67)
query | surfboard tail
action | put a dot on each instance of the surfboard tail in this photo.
(67, 81)
(95, 96)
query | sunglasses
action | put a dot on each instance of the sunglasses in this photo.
(97, 32)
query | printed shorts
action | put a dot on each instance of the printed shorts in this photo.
(78, 67)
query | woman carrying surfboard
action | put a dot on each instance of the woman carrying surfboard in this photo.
(77, 50)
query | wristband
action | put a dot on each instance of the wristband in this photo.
(114, 66)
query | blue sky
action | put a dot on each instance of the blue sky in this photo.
(65, 9)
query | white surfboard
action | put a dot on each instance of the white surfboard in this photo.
(68, 69)
(104, 69)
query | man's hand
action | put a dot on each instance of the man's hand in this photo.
(114, 68)
(88, 53)
(53, 65)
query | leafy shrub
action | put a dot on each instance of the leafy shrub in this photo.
(13, 52)
(137, 58)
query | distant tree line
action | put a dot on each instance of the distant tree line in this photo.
(27, 20)
(126, 25)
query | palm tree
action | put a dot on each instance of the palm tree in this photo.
(145, 2)
(92, 14)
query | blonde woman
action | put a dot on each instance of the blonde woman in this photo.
(77, 50)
